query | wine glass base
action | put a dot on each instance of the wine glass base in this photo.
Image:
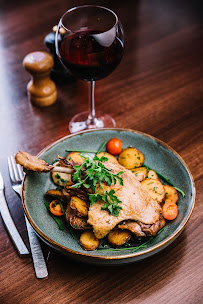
(80, 122)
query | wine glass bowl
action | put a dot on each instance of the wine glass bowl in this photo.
(89, 43)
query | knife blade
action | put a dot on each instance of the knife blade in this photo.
(39, 263)
(9, 224)
(37, 254)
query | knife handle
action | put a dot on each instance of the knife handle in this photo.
(37, 255)
(10, 226)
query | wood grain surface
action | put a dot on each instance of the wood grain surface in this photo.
(155, 89)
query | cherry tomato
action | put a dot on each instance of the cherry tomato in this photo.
(170, 211)
(55, 208)
(114, 146)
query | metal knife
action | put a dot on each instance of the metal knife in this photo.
(8, 221)
(37, 254)
(40, 267)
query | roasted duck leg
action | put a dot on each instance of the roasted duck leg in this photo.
(136, 204)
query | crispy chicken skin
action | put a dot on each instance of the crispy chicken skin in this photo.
(31, 162)
(136, 204)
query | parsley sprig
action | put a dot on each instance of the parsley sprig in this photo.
(93, 173)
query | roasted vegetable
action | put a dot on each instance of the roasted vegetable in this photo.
(170, 211)
(107, 155)
(55, 208)
(114, 146)
(55, 193)
(162, 223)
(79, 223)
(76, 222)
(88, 240)
(68, 191)
(33, 163)
(131, 158)
(76, 157)
(154, 188)
(152, 174)
(171, 194)
(79, 206)
(140, 173)
(118, 237)
(59, 178)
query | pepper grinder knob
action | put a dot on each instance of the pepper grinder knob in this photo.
(41, 89)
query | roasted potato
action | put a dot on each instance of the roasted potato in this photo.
(154, 188)
(60, 178)
(140, 173)
(75, 221)
(131, 158)
(152, 174)
(76, 157)
(55, 193)
(88, 240)
(171, 194)
(107, 155)
(69, 192)
(162, 223)
(118, 237)
(79, 206)
(69, 183)
(79, 223)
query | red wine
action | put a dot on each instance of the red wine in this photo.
(88, 55)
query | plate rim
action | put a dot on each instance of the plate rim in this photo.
(144, 252)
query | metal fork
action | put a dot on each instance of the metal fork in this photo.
(16, 176)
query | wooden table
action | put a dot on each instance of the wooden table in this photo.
(155, 89)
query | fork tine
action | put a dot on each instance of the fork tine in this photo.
(10, 169)
(14, 168)
(20, 172)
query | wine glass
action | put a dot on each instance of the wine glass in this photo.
(90, 43)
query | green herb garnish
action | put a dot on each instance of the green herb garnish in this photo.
(60, 178)
(54, 217)
(88, 151)
(81, 151)
(111, 201)
(91, 174)
(55, 161)
(101, 148)
(69, 227)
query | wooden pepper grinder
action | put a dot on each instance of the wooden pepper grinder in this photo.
(41, 89)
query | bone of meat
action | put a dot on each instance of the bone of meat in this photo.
(33, 163)
(136, 204)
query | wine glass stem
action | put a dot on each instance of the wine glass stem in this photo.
(91, 117)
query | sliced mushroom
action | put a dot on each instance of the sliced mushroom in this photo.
(33, 163)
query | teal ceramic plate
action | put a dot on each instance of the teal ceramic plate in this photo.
(158, 156)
